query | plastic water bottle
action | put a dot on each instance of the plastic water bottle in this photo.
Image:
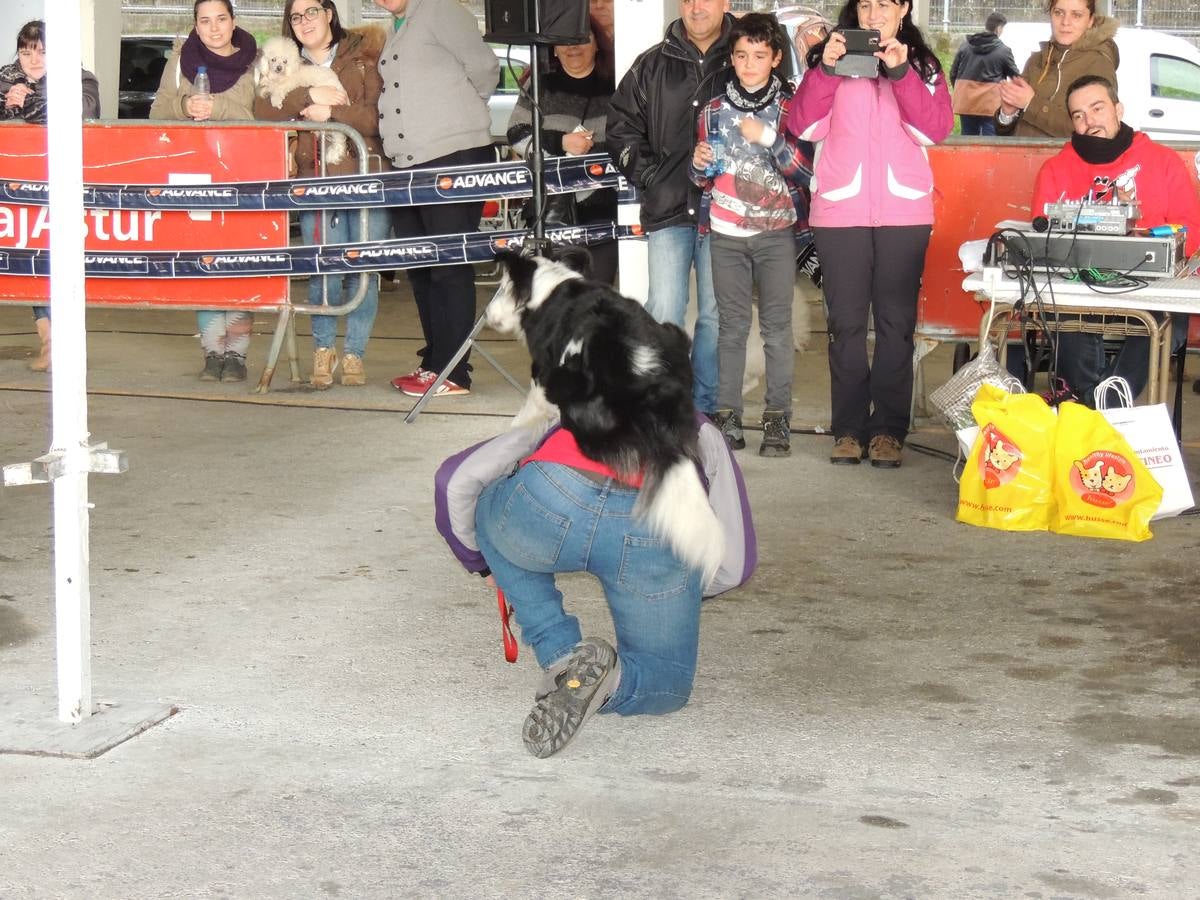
(200, 85)
(717, 165)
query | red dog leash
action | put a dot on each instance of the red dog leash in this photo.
(510, 642)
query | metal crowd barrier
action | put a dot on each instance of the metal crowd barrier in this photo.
(488, 181)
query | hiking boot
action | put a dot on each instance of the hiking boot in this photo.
(777, 434)
(884, 452)
(576, 688)
(729, 424)
(234, 368)
(353, 373)
(213, 364)
(325, 361)
(847, 451)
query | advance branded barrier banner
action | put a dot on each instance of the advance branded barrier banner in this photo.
(442, 250)
(415, 187)
(120, 242)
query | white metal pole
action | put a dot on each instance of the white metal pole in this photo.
(637, 25)
(68, 362)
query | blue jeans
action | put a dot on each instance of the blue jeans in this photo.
(1083, 362)
(984, 126)
(673, 252)
(342, 226)
(549, 518)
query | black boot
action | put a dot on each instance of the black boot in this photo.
(213, 365)
(235, 367)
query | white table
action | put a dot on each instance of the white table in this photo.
(1132, 311)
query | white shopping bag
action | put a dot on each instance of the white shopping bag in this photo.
(1149, 432)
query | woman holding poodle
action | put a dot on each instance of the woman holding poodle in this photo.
(353, 55)
(227, 53)
(871, 214)
(23, 96)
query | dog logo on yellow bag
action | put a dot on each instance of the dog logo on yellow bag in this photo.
(1000, 460)
(1102, 478)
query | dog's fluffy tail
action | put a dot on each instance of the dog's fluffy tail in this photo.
(675, 506)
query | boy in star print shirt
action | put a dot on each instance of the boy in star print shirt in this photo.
(754, 205)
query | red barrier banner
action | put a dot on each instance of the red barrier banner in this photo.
(160, 154)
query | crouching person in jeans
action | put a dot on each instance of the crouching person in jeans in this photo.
(525, 505)
(754, 204)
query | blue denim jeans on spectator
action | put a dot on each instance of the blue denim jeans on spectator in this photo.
(985, 126)
(343, 226)
(1083, 361)
(673, 252)
(549, 518)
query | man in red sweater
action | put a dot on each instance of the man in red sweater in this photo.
(1110, 160)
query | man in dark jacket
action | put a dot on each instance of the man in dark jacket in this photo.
(979, 66)
(651, 135)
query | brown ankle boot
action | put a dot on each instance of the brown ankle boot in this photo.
(353, 373)
(41, 363)
(325, 361)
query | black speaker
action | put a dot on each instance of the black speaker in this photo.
(536, 21)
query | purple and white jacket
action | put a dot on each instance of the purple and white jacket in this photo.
(461, 479)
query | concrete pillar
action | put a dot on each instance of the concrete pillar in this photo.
(100, 43)
(350, 12)
(920, 15)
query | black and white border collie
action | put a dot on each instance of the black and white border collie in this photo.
(621, 383)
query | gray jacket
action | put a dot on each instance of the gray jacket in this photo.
(437, 77)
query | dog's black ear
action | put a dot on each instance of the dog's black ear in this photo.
(577, 259)
(519, 267)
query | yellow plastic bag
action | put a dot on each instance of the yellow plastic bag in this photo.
(1101, 487)
(1008, 479)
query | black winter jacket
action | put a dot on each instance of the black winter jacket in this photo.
(983, 57)
(652, 122)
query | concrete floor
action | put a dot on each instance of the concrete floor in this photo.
(895, 706)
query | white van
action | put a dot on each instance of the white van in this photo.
(1158, 77)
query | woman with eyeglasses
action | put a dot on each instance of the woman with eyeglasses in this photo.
(23, 91)
(1081, 43)
(353, 55)
(871, 215)
(227, 53)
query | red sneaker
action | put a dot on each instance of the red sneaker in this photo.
(417, 376)
(418, 387)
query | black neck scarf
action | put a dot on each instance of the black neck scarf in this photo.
(1099, 151)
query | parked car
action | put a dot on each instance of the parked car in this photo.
(1158, 77)
(143, 58)
(514, 62)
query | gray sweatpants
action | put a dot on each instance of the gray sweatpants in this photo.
(738, 263)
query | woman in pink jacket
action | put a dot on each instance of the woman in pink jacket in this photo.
(871, 214)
